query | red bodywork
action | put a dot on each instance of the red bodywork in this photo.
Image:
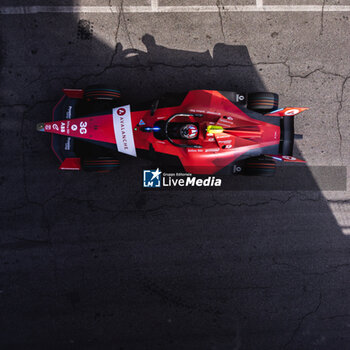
(242, 133)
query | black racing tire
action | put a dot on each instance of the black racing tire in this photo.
(262, 102)
(259, 166)
(101, 92)
(100, 164)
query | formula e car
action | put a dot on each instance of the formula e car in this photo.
(200, 131)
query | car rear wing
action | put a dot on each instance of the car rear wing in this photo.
(286, 142)
(287, 136)
(287, 128)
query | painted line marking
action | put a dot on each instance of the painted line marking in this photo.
(259, 3)
(154, 5)
(155, 8)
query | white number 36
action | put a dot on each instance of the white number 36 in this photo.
(83, 126)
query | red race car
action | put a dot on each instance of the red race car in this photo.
(203, 131)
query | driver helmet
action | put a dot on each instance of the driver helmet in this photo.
(189, 131)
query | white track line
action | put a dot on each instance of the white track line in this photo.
(155, 8)
(154, 5)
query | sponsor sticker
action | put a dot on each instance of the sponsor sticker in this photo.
(67, 144)
(63, 127)
(69, 112)
(288, 158)
(121, 111)
(292, 112)
(123, 130)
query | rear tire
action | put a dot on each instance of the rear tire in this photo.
(101, 92)
(100, 164)
(259, 166)
(262, 102)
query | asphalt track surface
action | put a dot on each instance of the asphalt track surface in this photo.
(96, 262)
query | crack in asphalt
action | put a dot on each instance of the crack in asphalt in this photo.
(245, 204)
(338, 201)
(301, 320)
(322, 17)
(118, 17)
(262, 203)
(145, 212)
(307, 273)
(151, 65)
(334, 316)
(337, 117)
(171, 298)
(340, 101)
(220, 6)
(125, 24)
(93, 206)
(167, 296)
(306, 75)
